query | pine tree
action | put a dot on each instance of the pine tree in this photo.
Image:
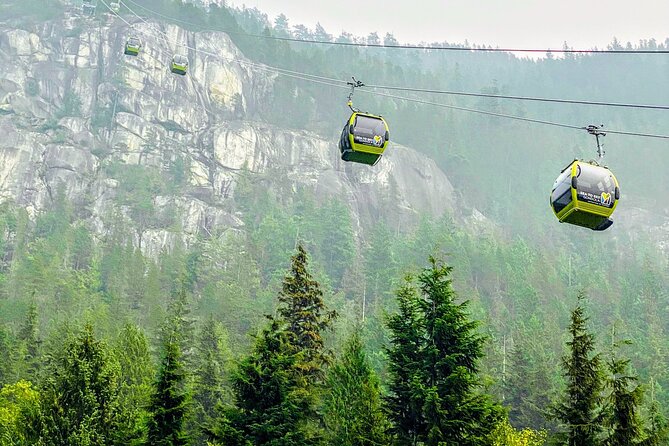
(437, 390)
(580, 407)
(6, 357)
(302, 308)
(80, 402)
(352, 410)
(622, 418)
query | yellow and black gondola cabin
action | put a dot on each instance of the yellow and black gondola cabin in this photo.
(585, 194)
(179, 64)
(364, 138)
(132, 46)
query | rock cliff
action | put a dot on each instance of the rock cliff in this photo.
(72, 105)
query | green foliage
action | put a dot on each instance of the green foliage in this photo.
(505, 435)
(622, 404)
(210, 389)
(80, 396)
(302, 309)
(436, 392)
(136, 384)
(19, 412)
(274, 403)
(353, 414)
(580, 408)
(71, 105)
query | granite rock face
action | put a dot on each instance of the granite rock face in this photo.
(71, 105)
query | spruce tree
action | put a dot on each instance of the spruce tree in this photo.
(209, 380)
(581, 404)
(80, 395)
(169, 403)
(352, 409)
(29, 338)
(443, 390)
(274, 406)
(622, 411)
(136, 388)
(302, 309)
(405, 400)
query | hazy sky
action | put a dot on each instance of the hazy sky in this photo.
(503, 23)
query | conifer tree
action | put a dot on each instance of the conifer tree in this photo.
(80, 402)
(136, 384)
(581, 405)
(353, 414)
(6, 357)
(444, 388)
(209, 386)
(29, 337)
(622, 411)
(302, 309)
(169, 403)
(274, 406)
(405, 400)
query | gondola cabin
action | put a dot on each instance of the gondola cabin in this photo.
(132, 46)
(115, 6)
(364, 138)
(585, 194)
(179, 64)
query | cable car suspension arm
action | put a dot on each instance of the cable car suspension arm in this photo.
(354, 84)
(597, 131)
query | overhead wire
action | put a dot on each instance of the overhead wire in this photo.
(521, 98)
(416, 47)
(341, 84)
(444, 92)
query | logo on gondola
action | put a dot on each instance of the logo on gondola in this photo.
(378, 140)
(606, 198)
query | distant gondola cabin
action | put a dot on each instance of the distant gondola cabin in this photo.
(115, 6)
(364, 138)
(132, 46)
(585, 194)
(179, 64)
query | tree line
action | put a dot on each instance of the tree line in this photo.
(292, 389)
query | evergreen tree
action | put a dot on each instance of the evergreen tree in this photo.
(29, 337)
(80, 402)
(274, 406)
(209, 387)
(622, 419)
(444, 388)
(137, 375)
(302, 308)
(404, 367)
(580, 408)
(353, 415)
(6, 357)
(169, 403)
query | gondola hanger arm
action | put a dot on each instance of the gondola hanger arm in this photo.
(354, 84)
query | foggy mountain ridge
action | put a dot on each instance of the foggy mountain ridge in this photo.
(113, 109)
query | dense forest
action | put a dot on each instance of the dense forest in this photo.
(301, 329)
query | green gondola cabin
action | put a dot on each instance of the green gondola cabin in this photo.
(179, 64)
(585, 194)
(364, 138)
(132, 46)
